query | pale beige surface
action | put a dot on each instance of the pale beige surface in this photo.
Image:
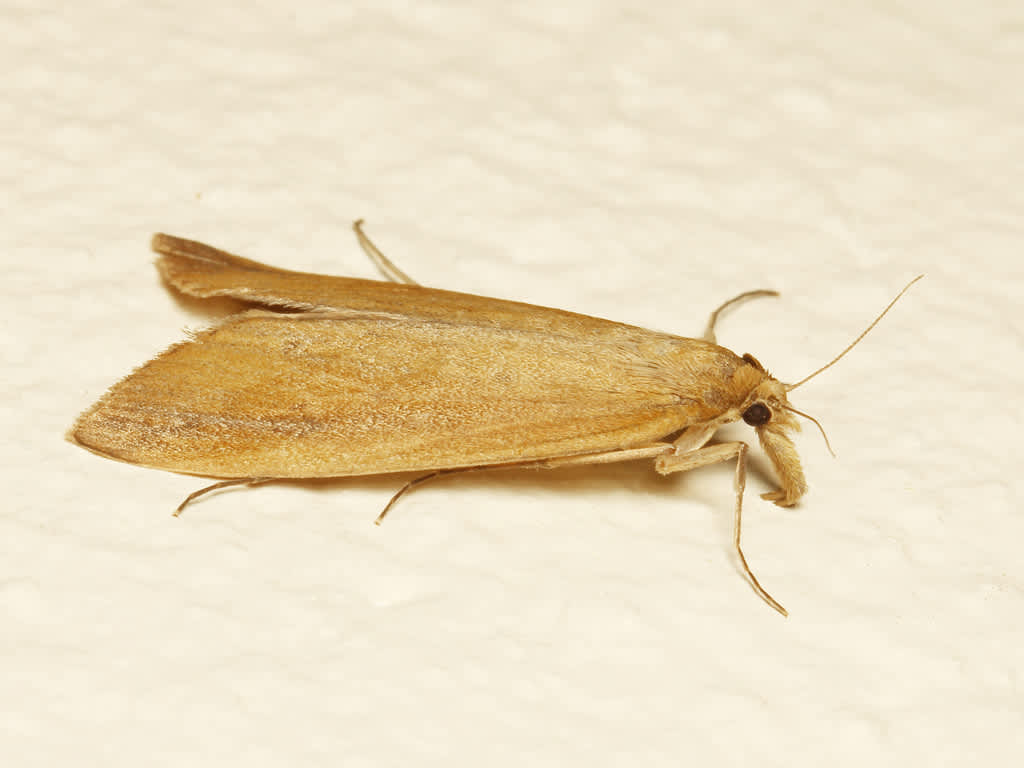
(641, 165)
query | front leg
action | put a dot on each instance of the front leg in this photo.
(713, 454)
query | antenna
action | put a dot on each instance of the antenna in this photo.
(837, 358)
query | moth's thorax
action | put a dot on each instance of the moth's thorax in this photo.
(720, 385)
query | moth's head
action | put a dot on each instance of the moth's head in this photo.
(768, 411)
(766, 408)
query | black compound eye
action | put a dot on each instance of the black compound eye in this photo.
(757, 415)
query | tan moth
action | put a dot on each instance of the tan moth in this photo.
(340, 376)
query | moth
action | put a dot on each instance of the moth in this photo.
(339, 376)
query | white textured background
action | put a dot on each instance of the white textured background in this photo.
(636, 164)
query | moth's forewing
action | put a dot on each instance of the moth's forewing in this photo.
(332, 394)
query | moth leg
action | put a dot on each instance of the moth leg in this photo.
(382, 262)
(419, 481)
(709, 332)
(713, 454)
(608, 457)
(216, 486)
